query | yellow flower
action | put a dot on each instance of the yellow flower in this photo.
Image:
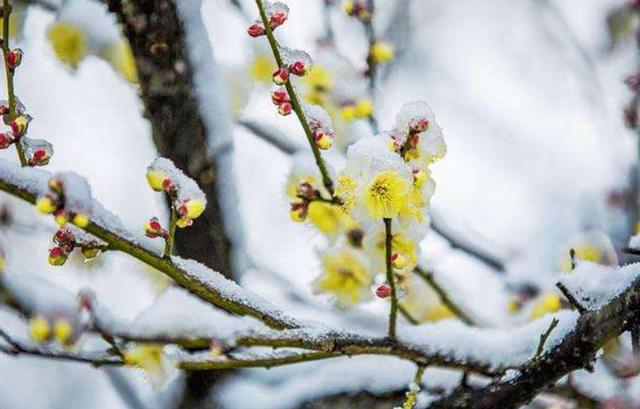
(262, 68)
(364, 108)
(348, 112)
(414, 205)
(122, 59)
(547, 303)
(63, 331)
(328, 218)
(345, 277)
(81, 220)
(46, 204)
(346, 192)
(382, 52)
(192, 209)
(146, 356)
(319, 79)
(69, 42)
(156, 179)
(39, 329)
(386, 195)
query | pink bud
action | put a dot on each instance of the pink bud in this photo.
(299, 68)
(279, 96)
(255, 30)
(6, 139)
(13, 58)
(383, 291)
(285, 108)
(277, 19)
(280, 76)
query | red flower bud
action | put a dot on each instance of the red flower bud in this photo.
(299, 68)
(40, 157)
(57, 256)
(255, 30)
(285, 108)
(280, 76)
(277, 19)
(305, 190)
(383, 291)
(13, 58)
(6, 139)
(64, 237)
(419, 125)
(279, 96)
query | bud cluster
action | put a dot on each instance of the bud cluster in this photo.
(187, 199)
(320, 125)
(67, 239)
(294, 62)
(280, 98)
(68, 198)
(63, 329)
(357, 9)
(277, 14)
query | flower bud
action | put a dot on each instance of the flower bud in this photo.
(20, 125)
(277, 19)
(382, 52)
(39, 329)
(256, 30)
(279, 96)
(63, 332)
(57, 256)
(6, 139)
(4, 107)
(306, 191)
(299, 68)
(191, 209)
(298, 211)
(46, 203)
(383, 291)
(14, 58)
(81, 220)
(64, 237)
(355, 237)
(322, 139)
(419, 177)
(61, 217)
(89, 253)
(280, 76)
(156, 179)
(154, 229)
(40, 157)
(285, 108)
(398, 261)
(56, 185)
(418, 125)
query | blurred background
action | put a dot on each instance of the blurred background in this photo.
(531, 96)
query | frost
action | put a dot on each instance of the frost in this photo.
(594, 285)
(318, 118)
(186, 188)
(35, 148)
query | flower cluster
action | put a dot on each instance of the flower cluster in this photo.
(68, 198)
(37, 151)
(187, 199)
(276, 12)
(67, 239)
(357, 9)
(385, 177)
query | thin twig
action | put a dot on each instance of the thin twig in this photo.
(295, 102)
(414, 388)
(6, 12)
(544, 336)
(168, 244)
(444, 297)
(407, 315)
(393, 312)
(572, 300)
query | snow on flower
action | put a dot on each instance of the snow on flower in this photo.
(151, 358)
(68, 198)
(591, 245)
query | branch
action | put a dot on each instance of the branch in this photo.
(94, 358)
(545, 335)
(577, 350)
(572, 300)
(256, 361)
(393, 311)
(444, 297)
(204, 283)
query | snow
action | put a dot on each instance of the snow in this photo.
(186, 188)
(210, 91)
(178, 315)
(594, 285)
(77, 193)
